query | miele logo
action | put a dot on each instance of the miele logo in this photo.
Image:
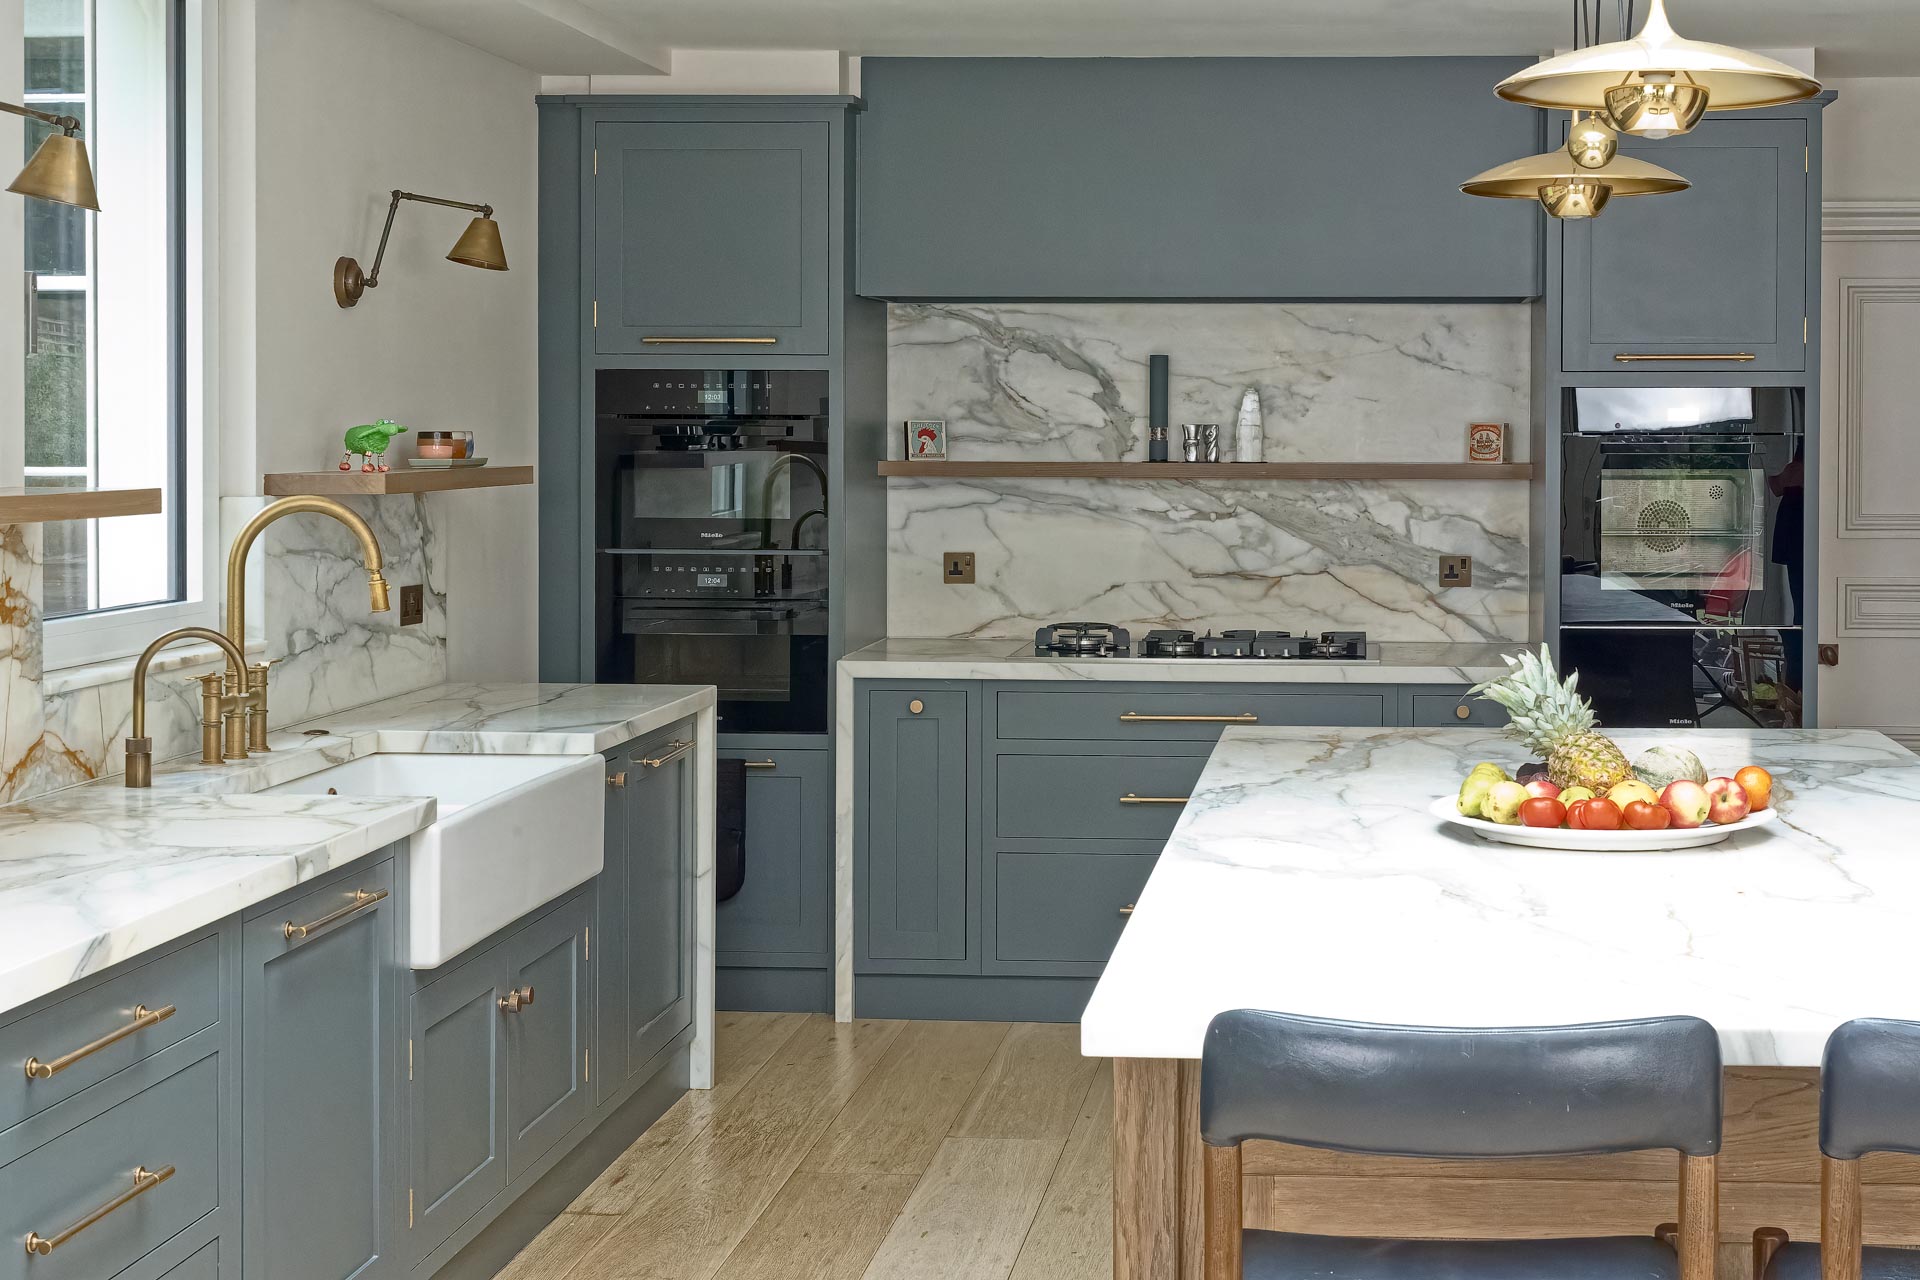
(713, 535)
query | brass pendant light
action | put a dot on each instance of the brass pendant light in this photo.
(1568, 190)
(1592, 142)
(1658, 83)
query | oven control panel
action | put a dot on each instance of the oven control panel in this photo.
(734, 578)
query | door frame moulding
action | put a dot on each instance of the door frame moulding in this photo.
(1870, 220)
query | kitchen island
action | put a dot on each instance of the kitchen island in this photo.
(1306, 875)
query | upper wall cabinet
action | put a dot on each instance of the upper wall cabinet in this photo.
(712, 237)
(1718, 271)
(1191, 178)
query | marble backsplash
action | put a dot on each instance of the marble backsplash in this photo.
(308, 593)
(1338, 382)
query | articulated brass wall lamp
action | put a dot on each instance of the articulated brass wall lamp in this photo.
(58, 170)
(478, 246)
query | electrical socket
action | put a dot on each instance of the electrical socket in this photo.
(413, 606)
(956, 568)
(1456, 571)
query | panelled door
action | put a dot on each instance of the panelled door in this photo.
(711, 239)
(915, 827)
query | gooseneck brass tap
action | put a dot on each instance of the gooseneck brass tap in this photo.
(250, 732)
(215, 708)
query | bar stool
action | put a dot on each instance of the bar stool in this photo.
(1459, 1093)
(1869, 1101)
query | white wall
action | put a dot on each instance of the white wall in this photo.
(1868, 136)
(352, 103)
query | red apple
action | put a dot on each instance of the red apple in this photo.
(1541, 789)
(1687, 801)
(1726, 801)
(1543, 811)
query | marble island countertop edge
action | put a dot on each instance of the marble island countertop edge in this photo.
(1398, 662)
(95, 874)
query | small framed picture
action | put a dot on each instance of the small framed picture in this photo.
(926, 440)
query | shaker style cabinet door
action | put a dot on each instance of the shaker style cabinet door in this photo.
(456, 1111)
(320, 1124)
(1718, 271)
(711, 239)
(783, 914)
(547, 1017)
(914, 881)
(655, 897)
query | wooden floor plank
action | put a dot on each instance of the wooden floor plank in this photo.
(685, 1222)
(553, 1253)
(742, 1044)
(822, 1226)
(969, 1214)
(1072, 1234)
(1033, 1086)
(895, 1122)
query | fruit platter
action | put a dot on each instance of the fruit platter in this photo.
(1584, 793)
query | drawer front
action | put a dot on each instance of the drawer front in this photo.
(1081, 797)
(202, 1264)
(1435, 710)
(155, 1004)
(1064, 908)
(1138, 715)
(59, 1186)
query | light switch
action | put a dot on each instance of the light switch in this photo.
(413, 606)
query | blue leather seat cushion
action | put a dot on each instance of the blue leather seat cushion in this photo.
(1802, 1262)
(1279, 1255)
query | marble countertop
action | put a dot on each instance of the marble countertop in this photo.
(94, 874)
(1400, 662)
(1306, 875)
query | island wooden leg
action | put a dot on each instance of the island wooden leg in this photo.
(1147, 1169)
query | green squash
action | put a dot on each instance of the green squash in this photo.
(1659, 766)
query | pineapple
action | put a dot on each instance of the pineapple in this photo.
(1557, 723)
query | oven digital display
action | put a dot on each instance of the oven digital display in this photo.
(718, 581)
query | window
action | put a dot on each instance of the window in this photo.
(106, 324)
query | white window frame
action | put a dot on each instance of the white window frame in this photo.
(88, 638)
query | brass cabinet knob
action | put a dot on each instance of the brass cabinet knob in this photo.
(1462, 712)
(916, 706)
(516, 1000)
(617, 779)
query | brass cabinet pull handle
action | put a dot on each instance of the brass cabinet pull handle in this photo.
(737, 342)
(1634, 357)
(516, 1000)
(761, 764)
(144, 1180)
(143, 1018)
(1134, 717)
(1127, 910)
(673, 752)
(617, 779)
(1463, 712)
(1131, 798)
(362, 899)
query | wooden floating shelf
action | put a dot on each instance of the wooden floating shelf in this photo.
(951, 470)
(402, 479)
(38, 506)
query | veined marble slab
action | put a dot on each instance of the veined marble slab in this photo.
(1401, 662)
(94, 874)
(1305, 875)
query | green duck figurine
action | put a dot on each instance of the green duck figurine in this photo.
(370, 441)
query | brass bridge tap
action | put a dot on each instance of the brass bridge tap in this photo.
(215, 710)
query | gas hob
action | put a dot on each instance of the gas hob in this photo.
(1103, 640)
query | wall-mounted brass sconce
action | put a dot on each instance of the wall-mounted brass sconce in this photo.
(478, 246)
(58, 170)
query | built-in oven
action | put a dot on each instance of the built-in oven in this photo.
(711, 523)
(1682, 553)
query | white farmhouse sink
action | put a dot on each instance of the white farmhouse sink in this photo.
(513, 832)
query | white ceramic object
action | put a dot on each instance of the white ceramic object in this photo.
(514, 832)
(445, 464)
(1249, 429)
(1625, 840)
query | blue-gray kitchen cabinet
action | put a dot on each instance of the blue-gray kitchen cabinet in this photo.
(320, 1114)
(645, 970)
(547, 1012)
(1717, 271)
(456, 1103)
(1444, 706)
(782, 916)
(913, 876)
(711, 230)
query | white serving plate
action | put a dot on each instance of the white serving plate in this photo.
(1625, 840)
(445, 464)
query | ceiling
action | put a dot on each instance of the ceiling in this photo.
(1850, 37)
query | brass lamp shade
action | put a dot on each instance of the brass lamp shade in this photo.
(59, 172)
(1680, 78)
(479, 246)
(1567, 190)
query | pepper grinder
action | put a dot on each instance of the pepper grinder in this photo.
(1156, 408)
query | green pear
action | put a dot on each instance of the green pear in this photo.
(1503, 803)
(1473, 793)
